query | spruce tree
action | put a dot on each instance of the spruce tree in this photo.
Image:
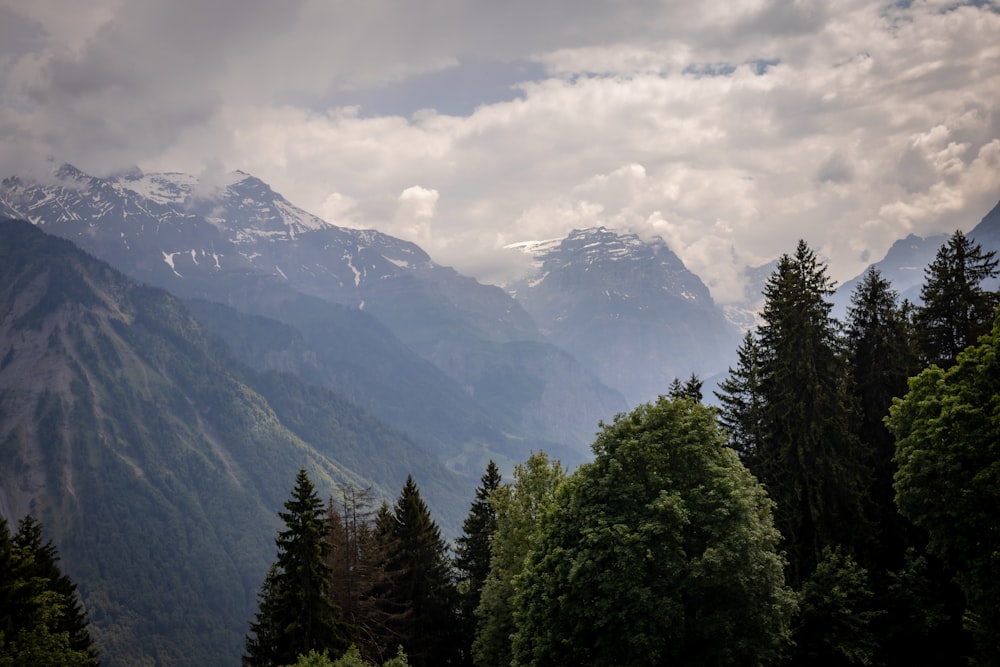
(41, 618)
(296, 614)
(472, 553)
(956, 309)
(420, 591)
(808, 457)
(741, 403)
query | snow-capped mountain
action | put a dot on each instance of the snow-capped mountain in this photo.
(238, 242)
(628, 307)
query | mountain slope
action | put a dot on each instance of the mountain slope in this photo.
(154, 460)
(627, 308)
(241, 244)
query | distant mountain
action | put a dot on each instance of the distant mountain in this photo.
(904, 264)
(241, 244)
(155, 460)
(627, 308)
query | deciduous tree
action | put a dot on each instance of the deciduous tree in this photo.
(660, 551)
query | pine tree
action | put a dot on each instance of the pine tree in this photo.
(956, 310)
(472, 552)
(296, 614)
(880, 360)
(741, 403)
(808, 458)
(690, 389)
(419, 592)
(41, 618)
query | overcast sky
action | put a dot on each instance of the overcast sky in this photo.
(731, 129)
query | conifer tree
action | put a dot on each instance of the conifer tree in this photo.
(296, 614)
(419, 591)
(880, 360)
(741, 403)
(956, 309)
(41, 618)
(472, 552)
(812, 464)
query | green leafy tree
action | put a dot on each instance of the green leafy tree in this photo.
(472, 552)
(947, 430)
(419, 590)
(295, 613)
(660, 551)
(518, 505)
(352, 658)
(835, 623)
(808, 457)
(956, 309)
(41, 619)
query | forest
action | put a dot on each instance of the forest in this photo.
(838, 506)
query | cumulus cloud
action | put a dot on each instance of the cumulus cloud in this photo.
(729, 129)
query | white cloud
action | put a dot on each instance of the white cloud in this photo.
(731, 129)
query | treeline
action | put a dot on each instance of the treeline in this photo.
(839, 508)
(41, 619)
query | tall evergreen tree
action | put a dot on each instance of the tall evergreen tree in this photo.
(41, 618)
(472, 553)
(741, 403)
(296, 614)
(808, 458)
(880, 360)
(419, 581)
(956, 309)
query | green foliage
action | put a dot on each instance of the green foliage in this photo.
(808, 457)
(947, 430)
(352, 658)
(419, 592)
(834, 625)
(472, 552)
(519, 506)
(741, 404)
(661, 551)
(296, 613)
(41, 620)
(956, 309)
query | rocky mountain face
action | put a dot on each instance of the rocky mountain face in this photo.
(630, 309)
(156, 461)
(241, 244)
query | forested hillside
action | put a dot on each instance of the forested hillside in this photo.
(154, 459)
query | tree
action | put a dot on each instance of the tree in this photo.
(947, 430)
(295, 613)
(472, 552)
(880, 359)
(956, 309)
(419, 581)
(356, 558)
(741, 404)
(41, 619)
(808, 457)
(689, 389)
(518, 506)
(660, 551)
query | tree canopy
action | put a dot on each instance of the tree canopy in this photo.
(947, 430)
(662, 550)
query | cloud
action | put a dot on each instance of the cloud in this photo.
(731, 129)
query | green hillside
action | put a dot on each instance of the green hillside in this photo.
(155, 460)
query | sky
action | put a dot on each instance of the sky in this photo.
(730, 129)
